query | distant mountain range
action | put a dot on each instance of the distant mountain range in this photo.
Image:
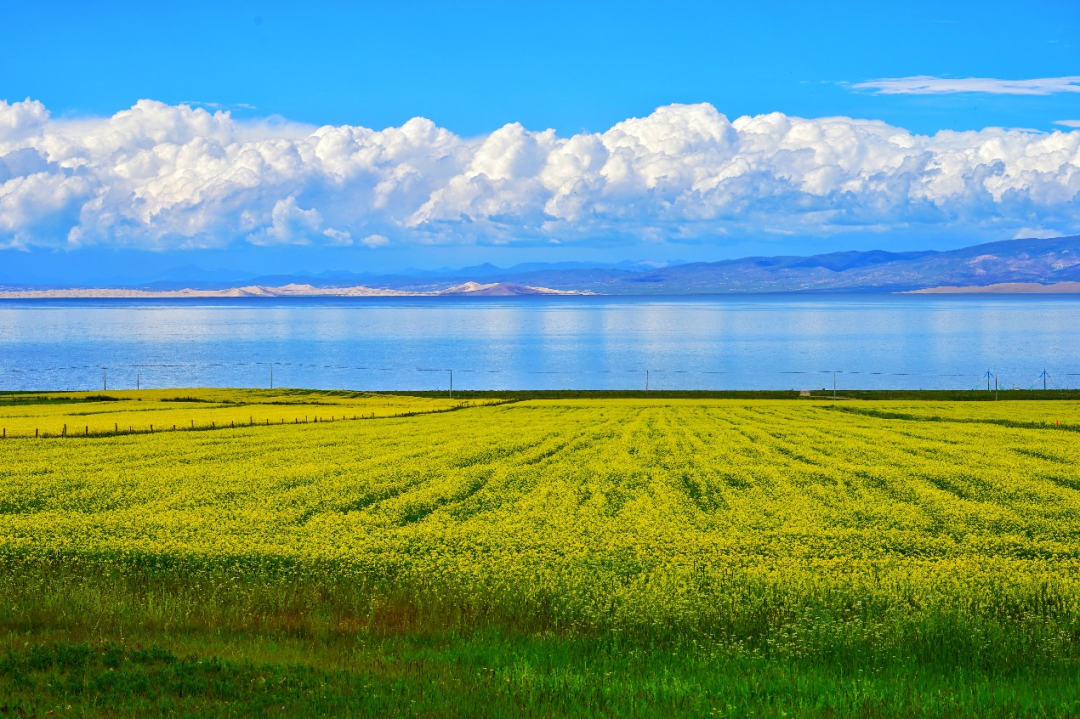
(1016, 264)
(468, 289)
(1034, 261)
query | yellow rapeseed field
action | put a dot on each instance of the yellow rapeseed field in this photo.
(127, 411)
(814, 519)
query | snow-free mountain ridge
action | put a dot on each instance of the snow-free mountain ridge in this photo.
(1011, 263)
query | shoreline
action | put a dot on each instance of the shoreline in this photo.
(1000, 288)
(468, 289)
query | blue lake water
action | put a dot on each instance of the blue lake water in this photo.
(747, 342)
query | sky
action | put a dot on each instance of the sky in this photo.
(267, 137)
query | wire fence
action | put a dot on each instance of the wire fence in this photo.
(86, 431)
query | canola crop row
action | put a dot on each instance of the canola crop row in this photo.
(608, 514)
(130, 411)
(1057, 413)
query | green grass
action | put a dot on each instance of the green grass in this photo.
(490, 676)
(943, 395)
(940, 395)
(89, 641)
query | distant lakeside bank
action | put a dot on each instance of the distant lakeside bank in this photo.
(476, 289)
(1002, 288)
(468, 289)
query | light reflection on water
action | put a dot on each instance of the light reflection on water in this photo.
(758, 342)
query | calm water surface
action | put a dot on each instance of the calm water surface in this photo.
(759, 342)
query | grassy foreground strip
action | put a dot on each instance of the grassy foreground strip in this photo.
(481, 676)
(603, 557)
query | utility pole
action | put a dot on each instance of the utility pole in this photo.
(995, 387)
(104, 379)
(451, 384)
(834, 384)
(138, 382)
(646, 380)
(271, 375)
(1044, 379)
(987, 380)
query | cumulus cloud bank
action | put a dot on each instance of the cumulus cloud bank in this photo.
(159, 177)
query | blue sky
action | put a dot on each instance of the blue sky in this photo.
(573, 66)
(578, 68)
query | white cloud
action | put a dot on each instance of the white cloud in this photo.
(289, 225)
(219, 105)
(930, 85)
(1067, 123)
(1037, 233)
(159, 176)
(374, 241)
(21, 120)
(338, 238)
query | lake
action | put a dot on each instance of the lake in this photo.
(700, 342)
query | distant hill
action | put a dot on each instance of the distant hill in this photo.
(1009, 265)
(468, 289)
(1042, 261)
